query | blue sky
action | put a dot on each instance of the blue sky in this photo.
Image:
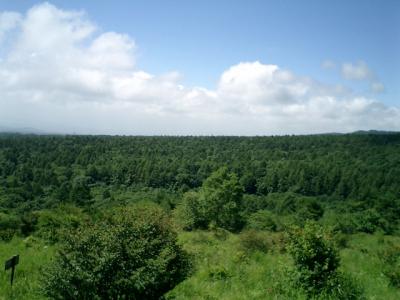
(203, 39)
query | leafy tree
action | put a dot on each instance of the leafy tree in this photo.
(218, 202)
(80, 191)
(221, 195)
(190, 214)
(132, 254)
(38, 172)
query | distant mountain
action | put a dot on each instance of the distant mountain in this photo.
(31, 130)
(360, 132)
(22, 130)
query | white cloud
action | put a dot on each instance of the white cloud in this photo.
(8, 21)
(356, 71)
(62, 74)
(361, 71)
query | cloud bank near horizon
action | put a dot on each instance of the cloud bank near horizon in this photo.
(60, 73)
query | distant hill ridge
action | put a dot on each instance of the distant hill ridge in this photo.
(31, 130)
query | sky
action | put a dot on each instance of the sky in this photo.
(200, 67)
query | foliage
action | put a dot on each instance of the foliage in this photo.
(52, 225)
(252, 240)
(390, 257)
(132, 254)
(316, 262)
(263, 220)
(55, 184)
(80, 191)
(349, 166)
(254, 275)
(190, 214)
(220, 198)
(9, 226)
(315, 258)
(366, 220)
(218, 201)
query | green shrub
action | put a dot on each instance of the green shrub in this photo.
(28, 223)
(368, 221)
(9, 226)
(52, 224)
(132, 254)
(308, 208)
(263, 220)
(253, 240)
(7, 234)
(390, 257)
(316, 262)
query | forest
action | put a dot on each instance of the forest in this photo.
(201, 217)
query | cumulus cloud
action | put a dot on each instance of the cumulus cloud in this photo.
(61, 73)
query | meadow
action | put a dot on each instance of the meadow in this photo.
(223, 268)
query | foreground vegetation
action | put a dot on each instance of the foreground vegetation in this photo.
(312, 217)
(223, 268)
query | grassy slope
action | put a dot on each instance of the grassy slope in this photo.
(256, 275)
(33, 255)
(223, 270)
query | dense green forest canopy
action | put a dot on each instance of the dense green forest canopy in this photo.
(249, 192)
(39, 171)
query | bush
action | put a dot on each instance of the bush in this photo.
(368, 221)
(132, 254)
(253, 240)
(308, 208)
(263, 220)
(9, 226)
(28, 223)
(390, 257)
(316, 263)
(52, 225)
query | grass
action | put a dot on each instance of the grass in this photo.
(224, 269)
(361, 259)
(34, 254)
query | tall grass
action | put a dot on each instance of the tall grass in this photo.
(34, 254)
